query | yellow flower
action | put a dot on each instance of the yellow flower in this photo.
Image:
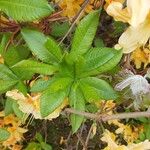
(138, 10)
(137, 14)
(16, 95)
(12, 124)
(133, 38)
(140, 56)
(17, 147)
(31, 104)
(16, 135)
(140, 146)
(130, 134)
(115, 9)
(71, 7)
(107, 105)
(11, 120)
(110, 138)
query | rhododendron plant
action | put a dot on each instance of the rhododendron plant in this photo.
(74, 74)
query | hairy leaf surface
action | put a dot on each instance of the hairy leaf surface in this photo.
(77, 102)
(100, 60)
(25, 10)
(84, 35)
(27, 68)
(96, 89)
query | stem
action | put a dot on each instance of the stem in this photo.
(105, 117)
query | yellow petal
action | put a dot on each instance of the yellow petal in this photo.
(21, 130)
(109, 138)
(17, 147)
(133, 38)
(2, 114)
(11, 119)
(140, 56)
(16, 95)
(107, 2)
(138, 9)
(115, 10)
(147, 54)
(140, 146)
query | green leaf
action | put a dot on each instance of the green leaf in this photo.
(98, 42)
(66, 70)
(27, 68)
(59, 83)
(39, 137)
(17, 111)
(8, 106)
(33, 146)
(92, 108)
(147, 131)
(7, 78)
(36, 42)
(4, 134)
(25, 10)
(54, 48)
(119, 28)
(40, 85)
(143, 119)
(21, 87)
(46, 146)
(54, 95)
(84, 35)
(50, 101)
(6, 73)
(4, 40)
(99, 60)
(6, 85)
(59, 30)
(96, 89)
(15, 54)
(77, 102)
(142, 136)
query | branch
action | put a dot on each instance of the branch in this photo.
(105, 117)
